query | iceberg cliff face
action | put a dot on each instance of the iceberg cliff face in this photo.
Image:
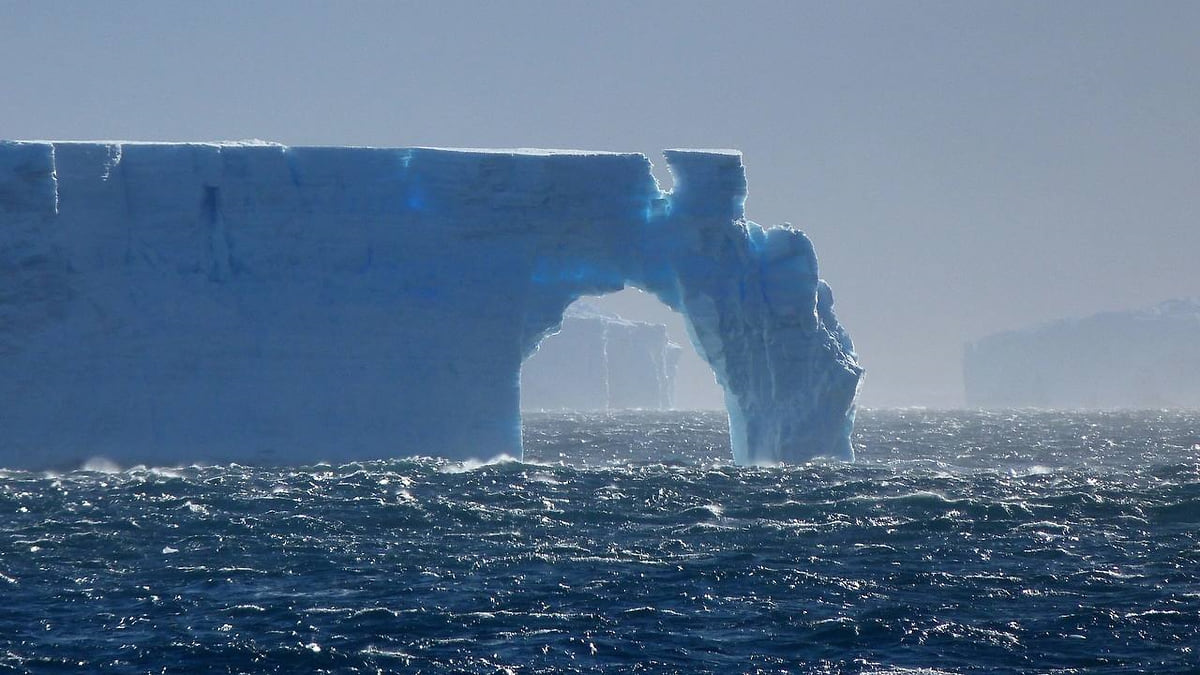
(599, 361)
(166, 303)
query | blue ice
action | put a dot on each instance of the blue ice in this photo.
(251, 302)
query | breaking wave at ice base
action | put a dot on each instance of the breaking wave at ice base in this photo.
(960, 542)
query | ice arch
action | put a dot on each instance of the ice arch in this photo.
(255, 302)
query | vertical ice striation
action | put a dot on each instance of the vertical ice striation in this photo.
(757, 312)
(166, 303)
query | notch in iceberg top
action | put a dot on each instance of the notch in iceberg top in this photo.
(708, 183)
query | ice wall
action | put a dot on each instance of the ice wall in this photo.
(167, 303)
(600, 361)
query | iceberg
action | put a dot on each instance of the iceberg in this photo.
(1147, 358)
(600, 361)
(251, 302)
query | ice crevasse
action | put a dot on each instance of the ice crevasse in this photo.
(252, 302)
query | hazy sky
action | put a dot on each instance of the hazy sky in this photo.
(961, 167)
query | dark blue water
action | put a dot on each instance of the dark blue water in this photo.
(960, 542)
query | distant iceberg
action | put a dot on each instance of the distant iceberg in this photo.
(600, 361)
(1134, 359)
(252, 302)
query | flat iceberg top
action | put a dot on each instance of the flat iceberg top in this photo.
(706, 151)
(537, 152)
(1177, 310)
(241, 143)
(256, 142)
(459, 184)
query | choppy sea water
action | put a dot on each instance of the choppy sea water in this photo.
(959, 542)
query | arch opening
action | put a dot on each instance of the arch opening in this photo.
(625, 350)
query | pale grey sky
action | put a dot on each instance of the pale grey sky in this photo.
(962, 167)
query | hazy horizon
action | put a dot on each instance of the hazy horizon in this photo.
(962, 168)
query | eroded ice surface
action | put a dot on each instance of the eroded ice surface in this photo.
(167, 303)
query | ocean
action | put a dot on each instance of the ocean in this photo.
(990, 542)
